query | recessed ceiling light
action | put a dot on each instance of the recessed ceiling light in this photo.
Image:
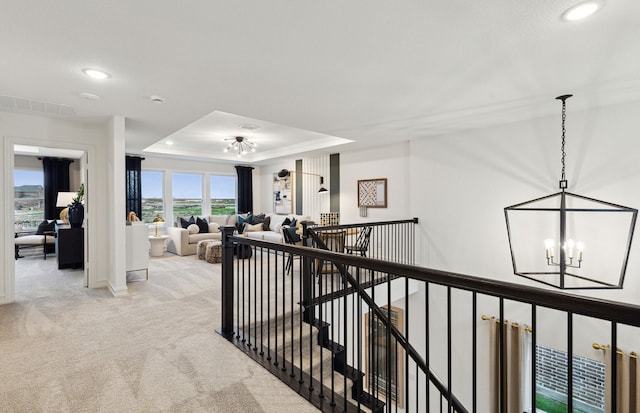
(89, 96)
(249, 126)
(582, 10)
(96, 74)
(169, 142)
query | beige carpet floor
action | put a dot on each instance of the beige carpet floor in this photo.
(66, 348)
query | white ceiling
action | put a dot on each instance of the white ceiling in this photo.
(370, 71)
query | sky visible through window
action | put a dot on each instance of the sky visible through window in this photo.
(23, 177)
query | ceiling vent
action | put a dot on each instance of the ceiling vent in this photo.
(37, 106)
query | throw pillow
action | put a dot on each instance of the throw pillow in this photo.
(193, 228)
(293, 222)
(45, 226)
(258, 219)
(249, 219)
(266, 224)
(184, 223)
(294, 235)
(286, 221)
(242, 220)
(214, 227)
(253, 228)
(202, 224)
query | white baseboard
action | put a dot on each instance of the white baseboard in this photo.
(118, 293)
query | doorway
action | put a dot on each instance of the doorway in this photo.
(19, 154)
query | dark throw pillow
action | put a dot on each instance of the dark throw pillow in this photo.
(203, 225)
(266, 224)
(45, 226)
(294, 236)
(257, 219)
(286, 221)
(293, 222)
(184, 223)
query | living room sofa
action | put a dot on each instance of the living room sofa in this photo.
(184, 241)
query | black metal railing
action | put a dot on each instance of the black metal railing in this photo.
(355, 333)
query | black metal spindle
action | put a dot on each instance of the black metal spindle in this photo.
(474, 352)
(248, 326)
(614, 367)
(238, 298)
(534, 352)
(345, 346)
(269, 304)
(292, 339)
(284, 314)
(406, 334)
(275, 306)
(261, 301)
(570, 361)
(426, 340)
(449, 370)
(242, 303)
(388, 343)
(255, 299)
(502, 363)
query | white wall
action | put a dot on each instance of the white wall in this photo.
(391, 162)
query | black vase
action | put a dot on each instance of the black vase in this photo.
(76, 215)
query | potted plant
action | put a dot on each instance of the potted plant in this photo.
(76, 209)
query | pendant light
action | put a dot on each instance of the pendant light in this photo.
(570, 241)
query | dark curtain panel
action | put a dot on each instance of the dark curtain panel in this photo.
(56, 179)
(245, 189)
(133, 165)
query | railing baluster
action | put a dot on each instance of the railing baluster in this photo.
(614, 367)
(261, 301)
(427, 347)
(503, 366)
(474, 352)
(284, 313)
(534, 353)
(449, 333)
(570, 362)
(269, 304)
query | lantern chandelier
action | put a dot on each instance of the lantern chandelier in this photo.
(240, 144)
(570, 241)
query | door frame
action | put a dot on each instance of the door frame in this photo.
(9, 272)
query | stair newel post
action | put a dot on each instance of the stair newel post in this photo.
(227, 281)
(307, 279)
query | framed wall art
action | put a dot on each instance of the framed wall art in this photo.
(282, 194)
(372, 193)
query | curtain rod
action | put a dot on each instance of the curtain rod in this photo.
(620, 352)
(506, 322)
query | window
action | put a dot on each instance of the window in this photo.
(152, 203)
(223, 195)
(187, 195)
(28, 187)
